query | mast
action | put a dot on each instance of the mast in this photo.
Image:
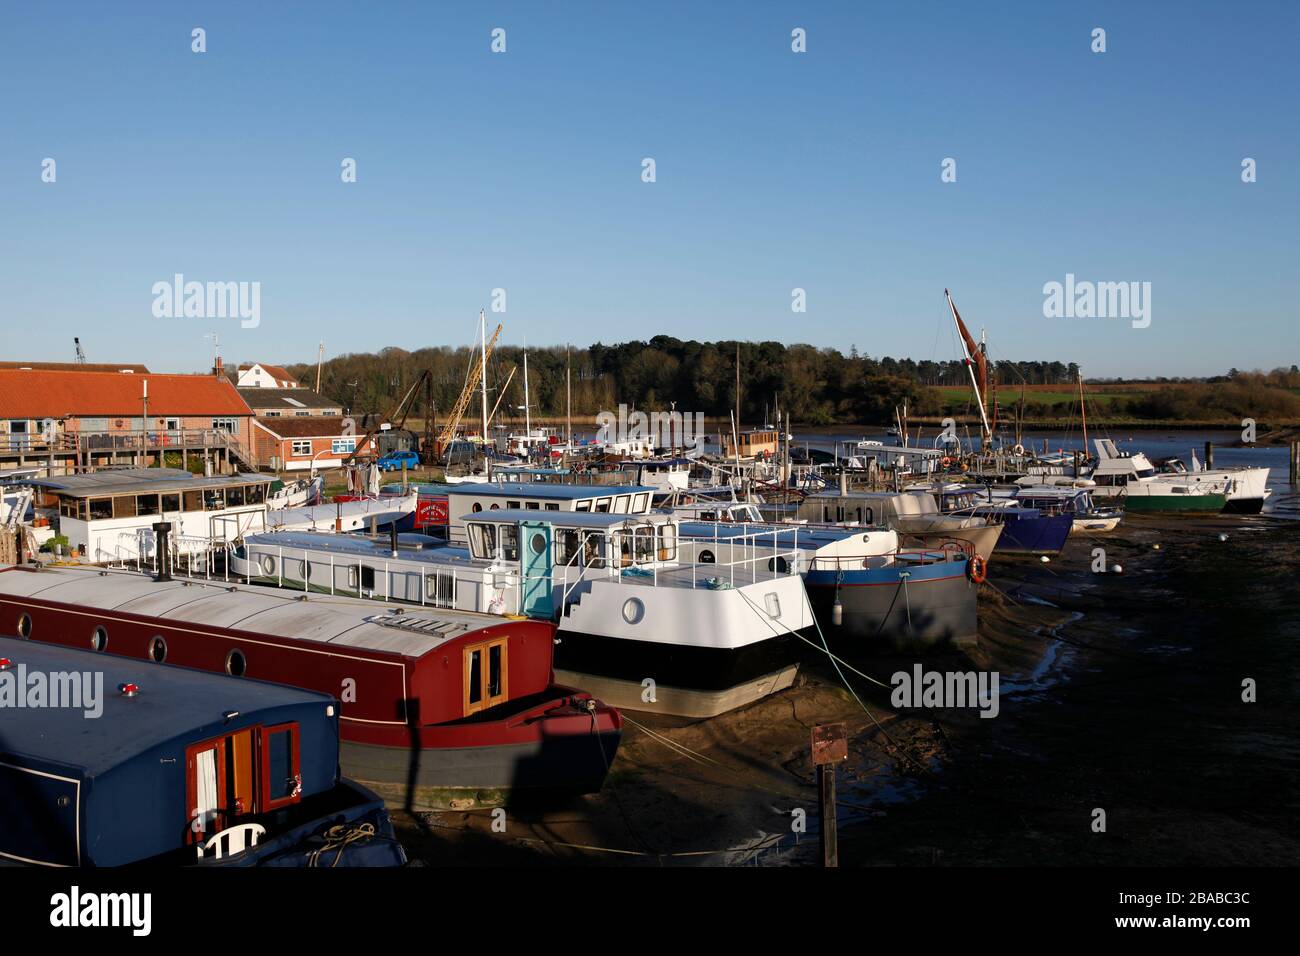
(528, 421)
(1083, 411)
(974, 360)
(482, 322)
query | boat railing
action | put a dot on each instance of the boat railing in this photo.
(938, 554)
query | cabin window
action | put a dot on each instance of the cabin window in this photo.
(476, 508)
(255, 494)
(667, 542)
(602, 505)
(510, 542)
(582, 506)
(620, 504)
(214, 499)
(234, 497)
(440, 589)
(157, 649)
(641, 504)
(551, 506)
(826, 513)
(193, 501)
(99, 638)
(778, 564)
(124, 506)
(706, 557)
(101, 509)
(146, 504)
(367, 578)
(486, 675)
(236, 663)
(495, 506)
(566, 546)
(593, 549)
(532, 505)
(633, 610)
(72, 508)
(281, 775)
(643, 544)
(24, 625)
(512, 504)
(171, 502)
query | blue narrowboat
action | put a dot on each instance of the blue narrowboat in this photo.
(109, 761)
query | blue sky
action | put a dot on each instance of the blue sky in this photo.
(775, 170)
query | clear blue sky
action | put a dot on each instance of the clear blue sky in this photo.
(775, 170)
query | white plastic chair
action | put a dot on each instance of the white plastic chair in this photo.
(233, 840)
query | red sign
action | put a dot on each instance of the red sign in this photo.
(431, 511)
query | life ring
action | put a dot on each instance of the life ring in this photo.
(945, 462)
(1019, 449)
(977, 569)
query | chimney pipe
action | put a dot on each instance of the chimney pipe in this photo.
(161, 533)
(392, 537)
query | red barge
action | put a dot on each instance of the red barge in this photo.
(439, 708)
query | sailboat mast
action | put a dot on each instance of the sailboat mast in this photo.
(967, 346)
(1083, 411)
(482, 321)
(528, 421)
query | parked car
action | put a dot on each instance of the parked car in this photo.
(394, 460)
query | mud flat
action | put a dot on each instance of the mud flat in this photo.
(1118, 691)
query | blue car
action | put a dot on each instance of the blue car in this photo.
(394, 460)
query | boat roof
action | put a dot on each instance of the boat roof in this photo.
(172, 702)
(557, 492)
(350, 544)
(278, 612)
(569, 519)
(129, 481)
(899, 450)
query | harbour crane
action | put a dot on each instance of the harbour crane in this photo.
(476, 373)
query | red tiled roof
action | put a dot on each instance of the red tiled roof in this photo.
(76, 366)
(36, 393)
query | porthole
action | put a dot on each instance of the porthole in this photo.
(24, 625)
(706, 557)
(538, 543)
(477, 508)
(268, 565)
(99, 639)
(236, 663)
(633, 610)
(778, 564)
(157, 649)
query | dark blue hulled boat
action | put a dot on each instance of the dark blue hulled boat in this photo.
(1024, 530)
(108, 761)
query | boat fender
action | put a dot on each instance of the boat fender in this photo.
(977, 569)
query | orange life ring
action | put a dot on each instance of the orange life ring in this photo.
(977, 569)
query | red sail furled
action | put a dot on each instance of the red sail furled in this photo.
(974, 351)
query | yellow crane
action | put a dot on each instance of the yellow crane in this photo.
(476, 372)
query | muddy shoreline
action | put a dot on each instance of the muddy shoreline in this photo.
(1119, 691)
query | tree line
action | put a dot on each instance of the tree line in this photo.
(814, 386)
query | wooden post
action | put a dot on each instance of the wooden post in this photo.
(830, 745)
(1209, 454)
(826, 792)
(1295, 463)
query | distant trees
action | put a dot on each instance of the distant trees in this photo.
(814, 385)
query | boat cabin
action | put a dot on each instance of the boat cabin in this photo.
(109, 515)
(465, 501)
(136, 762)
(755, 443)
